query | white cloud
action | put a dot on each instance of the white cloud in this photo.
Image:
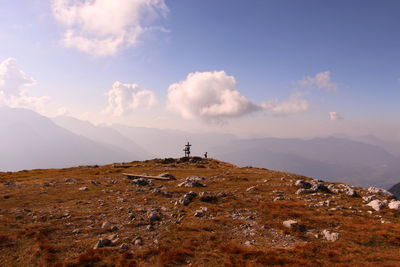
(320, 81)
(334, 116)
(12, 83)
(24, 100)
(123, 98)
(103, 27)
(211, 96)
(12, 78)
(295, 104)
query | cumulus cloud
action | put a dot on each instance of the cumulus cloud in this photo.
(334, 116)
(12, 83)
(123, 98)
(210, 96)
(320, 81)
(12, 78)
(295, 104)
(103, 27)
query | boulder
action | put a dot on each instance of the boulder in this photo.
(394, 205)
(380, 191)
(377, 204)
(303, 184)
(193, 181)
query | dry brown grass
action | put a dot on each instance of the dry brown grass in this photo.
(37, 221)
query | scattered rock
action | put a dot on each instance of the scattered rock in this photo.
(330, 236)
(303, 184)
(200, 212)
(167, 175)
(394, 205)
(279, 198)
(369, 198)
(193, 181)
(84, 188)
(380, 191)
(290, 224)
(208, 197)
(251, 188)
(377, 204)
(138, 241)
(187, 198)
(70, 180)
(103, 242)
(124, 246)
(142, 182)
(154, 216)
(350, 192)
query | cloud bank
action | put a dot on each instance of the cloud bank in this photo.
(320, 81)
(103, 27)
(210, 96)
(123, 98)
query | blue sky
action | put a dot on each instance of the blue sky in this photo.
(269, 47)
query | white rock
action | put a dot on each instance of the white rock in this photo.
(84, 188)
(381, 191)
(394, 205)
(377, 204)
(290, 223)
(330, 236)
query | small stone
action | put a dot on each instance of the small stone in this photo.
(124, 246)
(142, 182)
(154, 216)
(208, 197)
(138, 241)
(290, 224)
(251, 188)
(9, 184)
(193, 181)
(84, 188)
(330, 236)
(279, 198)
(95, 182)
(104, 242)
(76, 231)
(201, 212)
(114, 228)
(167, 175)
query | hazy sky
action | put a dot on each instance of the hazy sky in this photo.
(278, 68)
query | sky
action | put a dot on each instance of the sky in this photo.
(283, 68)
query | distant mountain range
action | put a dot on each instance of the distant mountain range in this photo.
(29, 140)
(327, 158)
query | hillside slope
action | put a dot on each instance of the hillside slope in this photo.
(213, 214)
(29, 140)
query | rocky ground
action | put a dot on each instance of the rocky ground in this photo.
(209, 213)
